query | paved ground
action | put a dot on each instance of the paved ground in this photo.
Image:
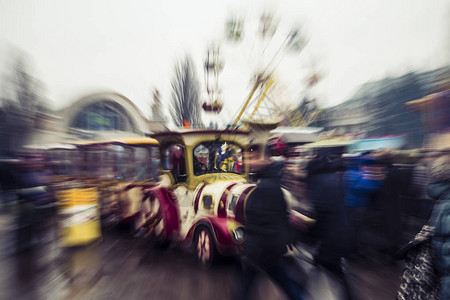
(122, 267)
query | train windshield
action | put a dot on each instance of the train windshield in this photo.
(218, 157)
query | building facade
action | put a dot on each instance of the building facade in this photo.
(378, 108)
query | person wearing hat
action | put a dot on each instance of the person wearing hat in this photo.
(439, 189)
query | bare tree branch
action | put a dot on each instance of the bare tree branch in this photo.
(185, 95)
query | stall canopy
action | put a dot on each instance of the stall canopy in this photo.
(388, 142)
(297, 135)
(331, 142)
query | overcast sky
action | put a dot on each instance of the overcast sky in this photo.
(130, 47)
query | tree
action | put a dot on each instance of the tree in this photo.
(185, 106)
(19, 107)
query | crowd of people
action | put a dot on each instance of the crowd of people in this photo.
(362, 206)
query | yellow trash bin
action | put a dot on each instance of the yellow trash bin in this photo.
(78, 216)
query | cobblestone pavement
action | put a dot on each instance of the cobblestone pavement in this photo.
(122, 267)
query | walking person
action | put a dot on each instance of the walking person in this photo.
(331, 232)
(267, 230)
(426, 273)
(360, 183)
(439, 189)
(389, 200)
(35, 203)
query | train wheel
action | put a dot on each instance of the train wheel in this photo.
(205, 247)
(150, 222)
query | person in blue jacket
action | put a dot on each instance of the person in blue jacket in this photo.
(361, 180)
(439, 189)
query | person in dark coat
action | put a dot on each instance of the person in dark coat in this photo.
(439, 189)
(325, 191)
(35, 203)
(389, 199)
(267, 230)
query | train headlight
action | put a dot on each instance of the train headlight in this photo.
(239, 235)
(237, 231)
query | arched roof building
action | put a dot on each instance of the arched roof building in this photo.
(104, 112)
(94, 115)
